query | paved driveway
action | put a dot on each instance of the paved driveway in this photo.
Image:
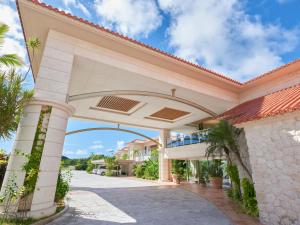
(97, 200)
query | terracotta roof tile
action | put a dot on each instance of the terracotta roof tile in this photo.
(283, 101)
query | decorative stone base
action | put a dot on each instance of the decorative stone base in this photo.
(38, 214)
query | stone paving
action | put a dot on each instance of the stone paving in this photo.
(97, 200)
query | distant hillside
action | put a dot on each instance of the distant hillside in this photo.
(64, 157)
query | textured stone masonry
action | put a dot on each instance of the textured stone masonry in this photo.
(274, 150)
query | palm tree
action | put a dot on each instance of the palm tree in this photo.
(13, 96)
(223, 139)
(7, 59)
(12, 101)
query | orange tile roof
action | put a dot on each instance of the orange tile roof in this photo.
(283, 101)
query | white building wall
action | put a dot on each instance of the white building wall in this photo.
(274, 150)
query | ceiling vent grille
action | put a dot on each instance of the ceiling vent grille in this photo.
(169, 114)
(117, 103)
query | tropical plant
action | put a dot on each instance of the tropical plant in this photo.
(223, 139)
(110, 163)
(151, 166)
(7, 59)
(179, 168)
(63, 184)
(9, 197)
(215, 168)
(139, 170)
(12, 100)
(201, 171)
(249, 198)
(235, 191)
(13, 96)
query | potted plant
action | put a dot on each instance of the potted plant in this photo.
(215, 172)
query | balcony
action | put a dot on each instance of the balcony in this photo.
(182, 140)
(187, 147)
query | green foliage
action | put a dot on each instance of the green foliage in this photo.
(17, 221)
(7, 59)
(33, 44)
(223, 138)
(110, 163)
(233, 173)
(215, 168)
(125, 156)
(201, 171)
(179, 168)
(249, 198)
(9, 197)
(90, 166)
(32, 165)
(81, 164)
(3, 165)
(139, 170)
(63, 184)
(151, 169)
(12, 100)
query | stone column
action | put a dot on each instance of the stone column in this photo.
(274, 150)
(23, 143)
(51, 90)
(164, 164)
(43, 198)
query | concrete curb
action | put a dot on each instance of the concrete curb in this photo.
(53, 217)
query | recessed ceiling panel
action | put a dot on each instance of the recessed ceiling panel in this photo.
(117, 103)
(169, 114)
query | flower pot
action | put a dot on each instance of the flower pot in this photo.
(216, 182)
(175, 178)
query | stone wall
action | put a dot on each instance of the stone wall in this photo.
(274, 150)
(243, 149)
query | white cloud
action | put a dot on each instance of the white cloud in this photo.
(220, 35)
(96, 147)
(75, 152)
(129, 17)
(120, 144)
(78, 5)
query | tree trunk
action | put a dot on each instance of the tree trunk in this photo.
(242, 164)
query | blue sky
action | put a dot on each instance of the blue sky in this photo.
(238, 38)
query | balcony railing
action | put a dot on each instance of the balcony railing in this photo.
(181, 140)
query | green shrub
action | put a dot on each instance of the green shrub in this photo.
(249, 198)
(215, 168)
(150, 169)
(233, 173)
(62, 186)
(139, 170)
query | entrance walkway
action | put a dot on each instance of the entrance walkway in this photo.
(96, 200)
(219, 198)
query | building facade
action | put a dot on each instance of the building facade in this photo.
(85, 71)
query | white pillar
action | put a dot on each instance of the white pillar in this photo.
(43, 198)
(164, 167)
(51, 89)
(23, 143)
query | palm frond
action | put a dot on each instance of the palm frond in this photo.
(3, 30)
(10, 60)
